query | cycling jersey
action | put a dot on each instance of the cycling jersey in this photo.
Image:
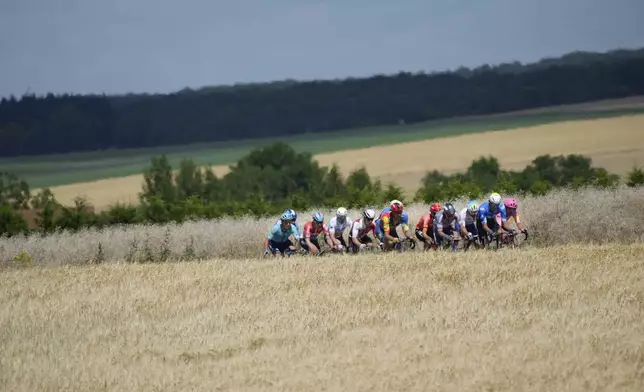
(278, 235)
(360, 229)
(442, 223)
(310, 231)
(337, 228)
(466, 219)
(485, 213)
(426, 222)
(384, 221)
(295, 227)
(514, 215)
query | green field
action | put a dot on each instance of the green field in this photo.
(52, 170)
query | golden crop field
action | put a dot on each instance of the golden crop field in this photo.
(616, 144)
(562, 318)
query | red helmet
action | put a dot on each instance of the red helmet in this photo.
(396, 206)
(435, 208)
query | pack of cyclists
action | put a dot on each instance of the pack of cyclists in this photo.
(441, 226)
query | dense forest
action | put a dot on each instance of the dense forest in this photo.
(70, 123)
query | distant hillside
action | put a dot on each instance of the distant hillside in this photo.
(69, 123)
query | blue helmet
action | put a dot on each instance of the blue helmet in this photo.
(287, 216)
(292, 213)
(318, 217)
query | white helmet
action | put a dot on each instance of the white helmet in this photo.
(495, 198)
(369, 213)
(341, 212)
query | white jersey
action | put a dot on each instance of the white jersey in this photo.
(359, 229)
(465, 219)
(336, 228)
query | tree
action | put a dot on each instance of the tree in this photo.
(66, 123)
(635, 177)
(14, 192)
(158, 181)
(189, 180)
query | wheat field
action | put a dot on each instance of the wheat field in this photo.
(617, 144)
(560, 318)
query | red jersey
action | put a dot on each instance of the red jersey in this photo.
(426, 221)
(310, 231)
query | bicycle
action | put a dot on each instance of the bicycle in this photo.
(448, 245)
(405, 245)
(475, 240)
(272, 252)
(509, 239)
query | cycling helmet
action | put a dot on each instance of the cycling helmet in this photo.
(369, 213)
(510, 202)
(286, 216)
(435, 208)
(449, 209)
(318, 217)
(495, 198)
(341, 213)
(472, 206)
(396, 206)
(291, 213)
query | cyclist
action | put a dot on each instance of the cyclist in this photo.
(425, 227)
(297, 234)
(511, 207)
(391, 218)
(312, 229)
(278, 238)
(446, 226)
(360, 228)
(337, 225)
(492, 216)
(467, 220)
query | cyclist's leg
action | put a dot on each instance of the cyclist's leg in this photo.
(303, 245)
(352, 247)
(419, 235)
(366, 240)
(437, 239)
(343, 242)
(315, 242)
(394, 233)
(273, 246)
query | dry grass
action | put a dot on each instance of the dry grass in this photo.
(562, 318)
(613, 143)
(562, 217)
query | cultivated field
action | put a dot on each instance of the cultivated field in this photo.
(562, 217)
(53, 170)
(564, 313)
(563, 318)
(614, 143)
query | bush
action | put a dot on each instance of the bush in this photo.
(635, 177)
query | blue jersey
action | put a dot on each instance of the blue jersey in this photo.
(295, 227)
(485, 213)
(278, 235)
(404, 218)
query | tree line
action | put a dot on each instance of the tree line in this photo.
(270, 179)
(72, 123)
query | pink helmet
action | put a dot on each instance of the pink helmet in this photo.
(510, 202)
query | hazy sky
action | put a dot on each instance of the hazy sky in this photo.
(119, 46)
